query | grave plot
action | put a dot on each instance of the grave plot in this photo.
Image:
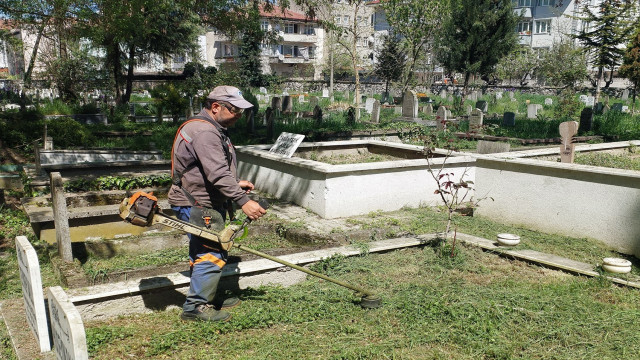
(348, 189)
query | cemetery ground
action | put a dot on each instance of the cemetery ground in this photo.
(439, 300)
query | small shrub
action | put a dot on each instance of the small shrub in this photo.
(67, 132)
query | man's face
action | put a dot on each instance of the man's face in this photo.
(226, 114)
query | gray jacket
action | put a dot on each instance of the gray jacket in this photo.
(207, 174)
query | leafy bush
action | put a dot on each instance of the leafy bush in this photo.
(21, 128)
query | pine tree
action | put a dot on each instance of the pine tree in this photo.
(249, 48)
(390, 61)
(475, 36)
(607, 29)
(630, 68)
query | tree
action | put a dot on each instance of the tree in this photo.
(249, 48)
(475, 35)
(131, 31)
(414, 22)
(630, 67)
(606, 30)
(564, 65)
(391, 61)
(521, 65)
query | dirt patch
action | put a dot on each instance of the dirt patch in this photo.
(11, 157)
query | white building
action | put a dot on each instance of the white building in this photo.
(299, 53)
(547, 21)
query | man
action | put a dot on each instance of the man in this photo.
(204, 175)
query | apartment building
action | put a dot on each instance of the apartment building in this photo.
(547, 21)
(298, 54)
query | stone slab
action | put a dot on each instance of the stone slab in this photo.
(24, 343)
(33, 295)
(67, 329)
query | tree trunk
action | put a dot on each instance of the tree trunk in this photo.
(34, 53)
(467, 77)
(354, 59)
(598, 82)
(115, 58)
(129, 86)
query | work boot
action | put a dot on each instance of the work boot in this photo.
(226, 303)
(205, 312)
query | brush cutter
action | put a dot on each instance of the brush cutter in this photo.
(142, 209)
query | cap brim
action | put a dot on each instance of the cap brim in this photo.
(242, 104)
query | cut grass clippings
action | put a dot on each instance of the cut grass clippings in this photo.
(479, 307)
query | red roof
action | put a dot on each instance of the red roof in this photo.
(6, 24)
(277, 12)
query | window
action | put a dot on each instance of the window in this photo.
(228, 50)
(290, 28)
(345, 20)
(264, 25)
(520, 3)
(312, 52)
(290, 51)
(337, 20)
(309, 30)
(547, 2)
(524, 28)
(543, 26)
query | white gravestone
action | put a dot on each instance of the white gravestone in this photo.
(325, 93)
(301, 99)
(548, 101)
(67, 330)
(32, 291)
(583, 98)
(532, 110)
(590, 101)
(263, 90)
(375, 111)
(498, 95)
(625, 94)
(286, 144)
(368, 105)
(428, 109)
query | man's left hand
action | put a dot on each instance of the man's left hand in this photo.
(246, 185)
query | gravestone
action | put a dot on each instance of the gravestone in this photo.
(473, 96)
(285, 93)
(287, 104)
(509, 119)
(548, 101)
(450, 98)
(606, 109)
(375, 111)
(286, 144)
(385, 97)
(532, 110)
(325, 93)
(346, 95)
(568, 130)
(617, 107)
(441, 117)
(410, 105)
(313, 101)
(498, 95)
(625, 109)
(482, 105)
(351, 115)
(443, 93)
(598, 107)
(263, 90)
(67, 329)
(60, 217)
(511, 95)
(368, 105)
(259, 97)
(590, 101)
(397, 110)
(583, 99)
(317, 115)
(48, 143)
(270, 116)
(586, 120)
(32, 293)
(428, 109)
(276, 103)
(469, 109)
(492, 147)
(301, 99)
(475, 120)
(625, 94)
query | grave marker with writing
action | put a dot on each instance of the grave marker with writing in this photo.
(368, 106)
(625, 94)
(286, 144)
(276, 103)
(410, 105)
(325, 93)
(67, 329)
(287, 104)
(441, 117)
(498, 95)
(475, 120)
(428, 110)
(548, 101)
(532, 110)
(586, 120)
(32, 293)
(567, 150)
(482, 105)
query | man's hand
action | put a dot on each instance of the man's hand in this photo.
(253, 210)
(246, 185)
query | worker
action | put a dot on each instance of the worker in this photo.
(204, 172)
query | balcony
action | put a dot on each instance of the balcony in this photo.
(524, 11)
(288, 59)
(299, 38)
(524, 39)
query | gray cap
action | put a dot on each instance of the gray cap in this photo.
(231, 95)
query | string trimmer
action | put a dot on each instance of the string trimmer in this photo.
(142, 209)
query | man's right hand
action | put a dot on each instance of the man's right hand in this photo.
(253, 210)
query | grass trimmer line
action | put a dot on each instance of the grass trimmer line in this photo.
(142, 209)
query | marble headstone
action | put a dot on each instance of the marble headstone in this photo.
(67, 329)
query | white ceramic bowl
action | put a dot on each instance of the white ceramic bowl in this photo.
(616, 265)
(508, 239)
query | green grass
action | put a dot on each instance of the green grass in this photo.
(623, 161)
(480, 307)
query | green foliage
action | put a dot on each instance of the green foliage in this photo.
(21, 128)
(630, 67)
(249, 48)
(117, 183)
(67, 133)
(475, 35)
(520, 64)
(616, 124)
(168, 98)
(624, 161)
(97, 337)
(391, 61)
(568, 107)
(563, 65)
